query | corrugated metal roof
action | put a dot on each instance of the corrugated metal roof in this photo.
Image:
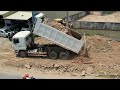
(20, 15)
(3, 12)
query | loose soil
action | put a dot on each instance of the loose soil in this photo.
(103, 59)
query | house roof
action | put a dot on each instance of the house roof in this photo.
(20, 15)
(3, 12)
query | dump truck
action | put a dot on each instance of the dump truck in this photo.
(61, 47)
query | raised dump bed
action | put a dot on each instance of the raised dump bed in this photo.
(58, 37)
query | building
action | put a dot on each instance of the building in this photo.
(20, 17)
(4, 14)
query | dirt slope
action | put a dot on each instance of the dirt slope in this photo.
(104, 59)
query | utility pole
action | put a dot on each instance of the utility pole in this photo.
(33, 21)
(67, 13)
(33, 15)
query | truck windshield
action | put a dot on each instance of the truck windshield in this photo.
(15, 40)
(7, 30)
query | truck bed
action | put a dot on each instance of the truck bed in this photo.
(58, 37)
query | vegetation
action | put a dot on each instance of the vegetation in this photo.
(107, 12)
(111, 34)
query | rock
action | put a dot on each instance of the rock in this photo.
(109, 42)
(57, 25)
(110, 56)
(105, 73)
(55, 65)
(101, 64)
(74, 74)
(99, 39)
(96, 75)
(83, 73)
(86, 61)
(27, 66)
(115, 66)
(104, 50)
(89, 70)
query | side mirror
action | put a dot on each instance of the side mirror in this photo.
(2, 32)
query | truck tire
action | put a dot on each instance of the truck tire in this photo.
(6, 36)
(53, 55)
(23, 54)
(10, 38)
(64, 55)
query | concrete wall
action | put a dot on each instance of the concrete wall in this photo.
(96, 25)
(77, 16)
(58, 14)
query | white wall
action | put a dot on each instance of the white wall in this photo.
(58, 14)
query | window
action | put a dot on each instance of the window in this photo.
(28, 37)
(15, 40)
(7, 30)
(1, 31)
(8, 24)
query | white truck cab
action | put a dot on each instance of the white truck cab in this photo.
(21, 40)
(62, 44)
(25, 29)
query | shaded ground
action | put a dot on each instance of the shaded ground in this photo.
(103, 60)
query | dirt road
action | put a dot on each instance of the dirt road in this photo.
(3, 41)
(103, 56)
(17, 73)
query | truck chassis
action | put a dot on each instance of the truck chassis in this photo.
(52, 51)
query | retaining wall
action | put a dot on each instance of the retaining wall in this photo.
(95, 25)
(77, 16)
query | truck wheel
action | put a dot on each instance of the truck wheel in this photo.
(64, 55)
(23, 54)
(10, 38)
(53, 55)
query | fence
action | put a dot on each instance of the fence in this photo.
(76, 16)
(95, 25)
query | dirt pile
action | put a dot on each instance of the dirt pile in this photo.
(43, 66)
(40, 40)
(56, 25)
(100, 44)
(59, 27)
(104, 59)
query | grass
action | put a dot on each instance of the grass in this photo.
(111, 34)
(107, 12)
